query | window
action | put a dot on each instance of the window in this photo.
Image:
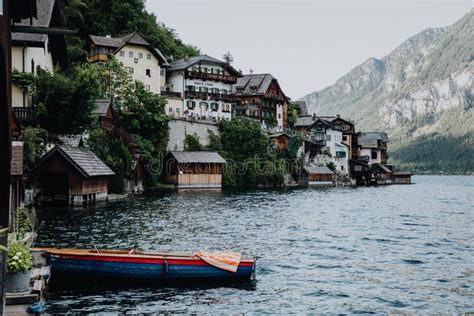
(130, 70)
(177, 111)
(374, 154)
(130, 54)
(341, 154)
(190, 88)
(122, 53)
(204, 70)
(214, 106)
(162, 72)
(344, 138)
(279, 115)
(170, 110)
(148, 56)
(148, 72)
(140, 55)
(358, 168)
(191, 104)
(204, 89)
(328, 137)
(240, 90)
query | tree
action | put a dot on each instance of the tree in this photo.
(65, 101)
(34, 144)
(228, 58)
(292, 116)
(191, 143)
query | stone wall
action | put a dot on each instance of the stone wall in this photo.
(179, 128)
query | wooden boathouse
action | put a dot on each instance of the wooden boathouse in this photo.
(316, 176)
(70, 175)
(194, 169)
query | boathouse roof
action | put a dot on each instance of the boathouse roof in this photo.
(197, 157)
(81, 158)
(102, 106)
(318, 170)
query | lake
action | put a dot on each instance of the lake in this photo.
(405, 248)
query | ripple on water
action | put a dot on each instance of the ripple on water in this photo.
(320, 251)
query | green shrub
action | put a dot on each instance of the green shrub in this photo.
(19, 258)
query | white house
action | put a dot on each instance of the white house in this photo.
(31, 52)
(326, 144)
(373, 147)
(205, 86)
(145, 63)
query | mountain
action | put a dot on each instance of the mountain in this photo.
(422, 94)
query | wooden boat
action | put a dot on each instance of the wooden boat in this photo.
(137, 264)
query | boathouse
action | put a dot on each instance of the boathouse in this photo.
(194, 169)
(401, 177)
(70, 175)
(316, 176)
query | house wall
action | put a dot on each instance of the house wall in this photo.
(179, 128)
(199, 181)
(140, 65)
(174, 107)
(368, 152)
(40, 56)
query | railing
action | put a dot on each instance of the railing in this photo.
(212, 96)
(25, 114)
(209, 76)
(171, 94)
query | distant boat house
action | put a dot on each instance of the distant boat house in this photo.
(316, 176)
(194, 169)
(70, 175)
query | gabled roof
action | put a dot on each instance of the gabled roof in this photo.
(318, 170)
(44, 14)
(256, 84)
(131, 39)
(382, 168)
(82, 159)
(370, 139)
(183, 64)
(197, 157)
(301, 106)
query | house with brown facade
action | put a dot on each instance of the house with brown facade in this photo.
(260, 97)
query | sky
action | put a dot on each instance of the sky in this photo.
(307, 45)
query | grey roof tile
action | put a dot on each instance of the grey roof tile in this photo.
(184, 64)
(86, 161)
(197, 157)
(318, 170)
(45, 10)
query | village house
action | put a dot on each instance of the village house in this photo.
(71, 176)
(32, 52)
(194, 169)
(324, 142)
(145, 63)
(316, 176)
(259, 96)
(373, 147)
(205, 85)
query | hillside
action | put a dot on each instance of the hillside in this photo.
(118, 18)
(422, 94)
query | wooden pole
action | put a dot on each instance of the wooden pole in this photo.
(5, 136)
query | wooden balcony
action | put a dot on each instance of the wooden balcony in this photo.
(171, 94)
(98, 58)
(212, 96)
(25, 115)
(209, 76)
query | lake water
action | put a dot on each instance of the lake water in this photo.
(405, 248)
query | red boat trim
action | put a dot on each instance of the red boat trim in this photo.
(197, 262)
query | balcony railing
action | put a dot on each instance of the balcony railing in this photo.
(209, 76)
(25, 114)
(212, 96)
(171, 94)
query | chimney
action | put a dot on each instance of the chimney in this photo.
(251, 71)
(186, 57)
(338, 115)
(314, 116)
